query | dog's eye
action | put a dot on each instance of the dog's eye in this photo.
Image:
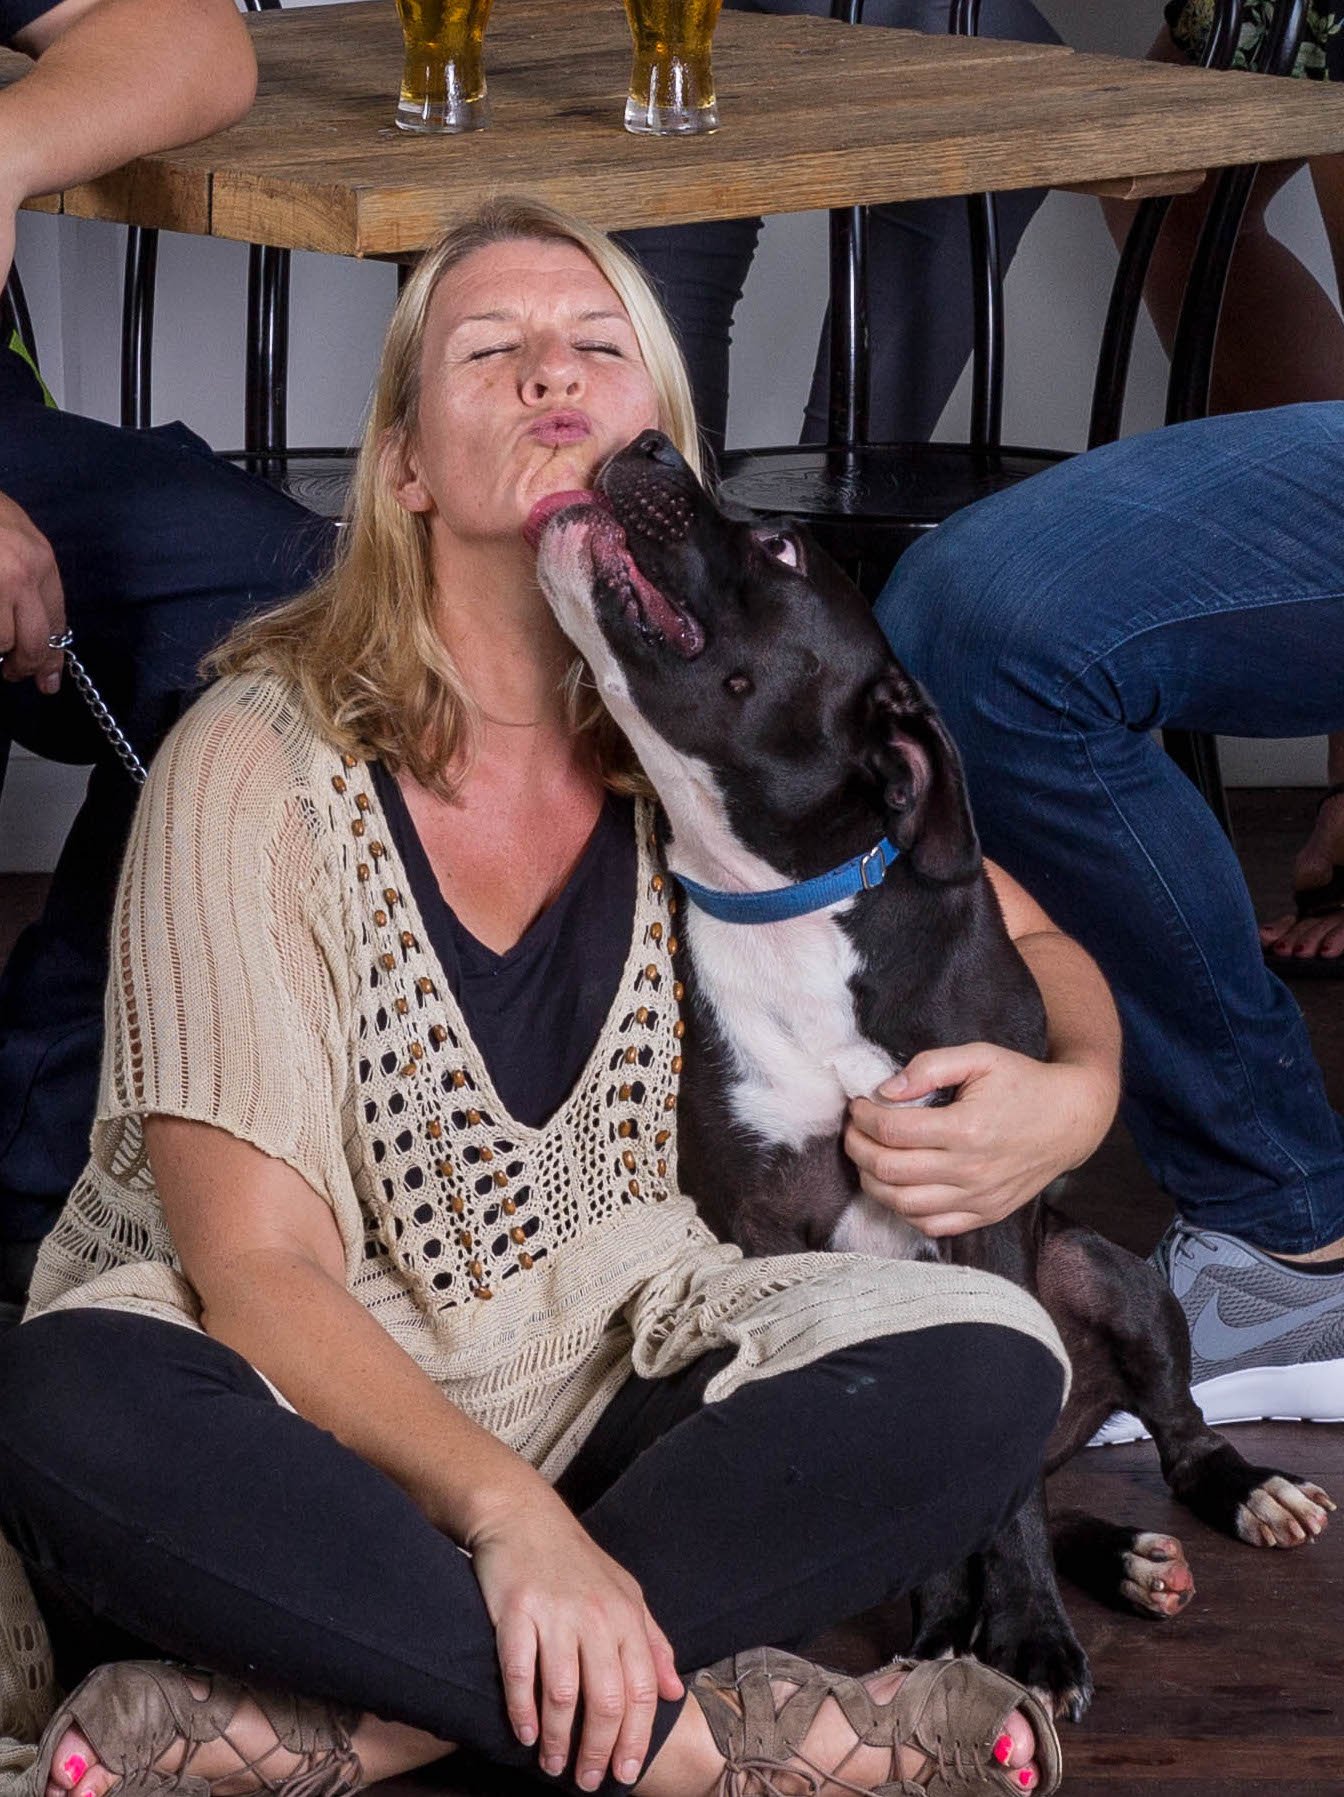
(739, 685)
(780, 548)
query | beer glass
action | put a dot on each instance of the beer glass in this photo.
(671, 82)
(443, 83)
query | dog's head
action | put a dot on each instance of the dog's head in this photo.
(751, 679)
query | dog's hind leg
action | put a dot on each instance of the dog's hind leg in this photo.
(1130, 1346)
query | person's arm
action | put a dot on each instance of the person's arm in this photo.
(1017, 1123)
(114, 79)
(262, 1251)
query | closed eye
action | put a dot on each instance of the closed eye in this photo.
(780, 547)
(494, 349)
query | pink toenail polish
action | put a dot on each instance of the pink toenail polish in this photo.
(75, 1767)
(1002, 1748)
(1026, 1778)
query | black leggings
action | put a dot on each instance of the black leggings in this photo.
(165, 1504)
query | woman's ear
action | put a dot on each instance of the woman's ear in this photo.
(915, 762)
(401, 472)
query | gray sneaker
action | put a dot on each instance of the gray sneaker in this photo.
(1265, 1342)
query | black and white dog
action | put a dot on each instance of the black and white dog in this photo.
(785, 741)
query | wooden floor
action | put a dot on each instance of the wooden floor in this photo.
(1242, 1695)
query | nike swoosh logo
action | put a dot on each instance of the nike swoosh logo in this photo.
(1213, 1339)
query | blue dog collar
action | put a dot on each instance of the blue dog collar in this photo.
(865, 873)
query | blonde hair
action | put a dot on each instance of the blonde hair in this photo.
(361, 644)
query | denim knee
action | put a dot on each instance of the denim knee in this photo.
(956, 616)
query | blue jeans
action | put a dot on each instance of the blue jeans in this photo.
(919, 270)
(1191, 577)
(162, 548)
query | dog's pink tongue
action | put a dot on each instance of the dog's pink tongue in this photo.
(676, 627)
(545, 509)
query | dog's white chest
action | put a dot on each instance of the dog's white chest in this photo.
(781, 999)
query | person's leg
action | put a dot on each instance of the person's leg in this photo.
(811, 1496)
(921, 302)
(699, 272)
(919, 268)
(1314, 935)
(1280, 336)
(166, 1506)
(162, 548)
(806, 1498)
(1192, 577)
(191, 1540)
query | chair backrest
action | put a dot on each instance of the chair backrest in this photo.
(1192, 356)
(139, 282)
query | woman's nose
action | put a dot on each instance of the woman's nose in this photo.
(555, 371)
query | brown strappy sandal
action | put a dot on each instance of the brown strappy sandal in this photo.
(951, 1711)
(131, 1714)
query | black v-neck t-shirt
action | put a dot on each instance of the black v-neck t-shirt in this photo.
(536, 1011)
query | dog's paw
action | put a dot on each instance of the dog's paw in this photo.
(1046, 1659)
(1156, 1579)
(1283, 1512)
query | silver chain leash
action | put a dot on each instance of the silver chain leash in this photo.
(109, 726)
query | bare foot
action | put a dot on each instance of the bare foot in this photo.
(240, 1761)
(689, 1762)
(1305, 938)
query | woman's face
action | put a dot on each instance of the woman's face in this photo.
(531, 377)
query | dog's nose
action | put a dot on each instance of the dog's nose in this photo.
(658, 448)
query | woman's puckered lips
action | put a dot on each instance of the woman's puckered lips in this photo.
(567, 426)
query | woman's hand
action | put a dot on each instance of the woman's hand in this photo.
(1015, 1124)
(571, 1621)
(32, 607)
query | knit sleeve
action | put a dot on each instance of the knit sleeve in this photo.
(225, 999)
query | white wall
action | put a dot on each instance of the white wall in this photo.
(1057, 288)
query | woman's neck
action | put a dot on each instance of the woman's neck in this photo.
(498, 628)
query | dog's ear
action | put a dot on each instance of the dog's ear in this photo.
(916, 765)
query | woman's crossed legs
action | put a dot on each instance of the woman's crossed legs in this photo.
(166, 1505)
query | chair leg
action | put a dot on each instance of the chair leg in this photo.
(265, 432)
(137, 327)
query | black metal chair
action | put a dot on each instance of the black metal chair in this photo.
(867, 502)
(318, 477)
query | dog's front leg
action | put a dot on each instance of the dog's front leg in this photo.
(1023, 1628)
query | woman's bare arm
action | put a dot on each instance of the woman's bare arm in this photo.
(113, 80)
(262, 1251)
(1017, 1123)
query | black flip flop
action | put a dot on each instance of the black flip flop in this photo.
(1315, 901)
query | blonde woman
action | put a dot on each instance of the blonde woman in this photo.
(377, 1356)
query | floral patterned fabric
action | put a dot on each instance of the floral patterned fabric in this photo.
(1320, 57)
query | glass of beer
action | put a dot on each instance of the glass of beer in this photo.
(443, 82)
(671, 82)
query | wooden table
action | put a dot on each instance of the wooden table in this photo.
(815, 114)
